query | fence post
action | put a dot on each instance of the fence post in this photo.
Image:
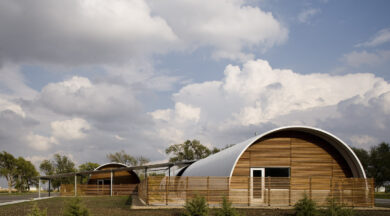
(75, 185)
(353, 192)
(207, 191)
(249, 190)
(166, 190)
(372, 193)
(310, 187)
(289, 191)
(269, 191)
(147, 190)
(39, 188)
(186, 188)
(341, 191)
(331, 187)
(49, 186)
(111, 182)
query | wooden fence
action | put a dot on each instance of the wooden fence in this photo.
(256, 191)
(95, 190)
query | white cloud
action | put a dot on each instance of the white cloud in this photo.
(119, 137)
(259, 97)
(186, 112)
(362, 141)
(381, 37)
(305, 15)
(228, 26)
(96, 32)
(40, 143)
(79, 96)
(75, 128)
(7, 105)
(356, 58)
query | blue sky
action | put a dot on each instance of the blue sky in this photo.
(86, 78)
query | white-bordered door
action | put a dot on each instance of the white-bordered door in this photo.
(257, 185)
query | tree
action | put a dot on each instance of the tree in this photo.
(76, 208)
(379, 163)
(124, 158)
(8, 168)
(60, 164)
(363, 156)
(25, 174)
(88, 166)
(189, 150)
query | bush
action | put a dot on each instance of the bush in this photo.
(196, 207)
(306, 207)
(334, 209)
(129, 201)
(226, 209)
(35, 211)
(76, 208)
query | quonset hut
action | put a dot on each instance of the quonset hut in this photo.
(298, 159)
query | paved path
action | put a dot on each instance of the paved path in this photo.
(5, 198)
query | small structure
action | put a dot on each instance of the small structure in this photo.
(123, 182)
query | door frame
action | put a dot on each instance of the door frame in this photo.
(262, 184)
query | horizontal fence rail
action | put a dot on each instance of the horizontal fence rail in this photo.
(96, 190)
(257, 191)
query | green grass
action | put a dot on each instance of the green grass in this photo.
(382, 195)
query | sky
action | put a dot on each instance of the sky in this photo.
(85, 78)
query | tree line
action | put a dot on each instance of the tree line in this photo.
(376, 162)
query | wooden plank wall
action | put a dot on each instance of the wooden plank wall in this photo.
(306, 156)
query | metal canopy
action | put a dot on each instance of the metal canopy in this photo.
(143, 167)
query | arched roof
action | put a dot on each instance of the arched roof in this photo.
(223, 162)
(110, 163)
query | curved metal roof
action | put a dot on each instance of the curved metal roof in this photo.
(110, 163)
(223, 162)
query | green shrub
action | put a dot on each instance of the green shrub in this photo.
(335, 209)
(129, 201)
(76, 208)
(306, 207)
(226, 209)
(196, 207)
(35, 211)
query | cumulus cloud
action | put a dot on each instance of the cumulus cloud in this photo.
(70, 129)
(227, 26)
(40, 143)
(96, 32)
(79, 96)
(305, 15)
(8, 105)
(381, 37)
(256, 95)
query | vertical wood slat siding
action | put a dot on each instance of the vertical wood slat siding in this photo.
(276, 191)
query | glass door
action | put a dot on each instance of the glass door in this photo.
(257, 185)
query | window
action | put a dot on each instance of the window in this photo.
(277, 172)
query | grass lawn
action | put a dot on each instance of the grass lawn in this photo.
(382, 195)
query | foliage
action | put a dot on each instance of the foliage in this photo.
(25, 174)
(382, 195)
(334, 209)
(379, 167)
(76, 208)
(123, 157)
(226, 209)
(196, 207)
(8, 168)
(306, 207)
(59, 164)
(129, 201)
(189, 150)
(87, 166)
(363, 156)
(35, 211)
